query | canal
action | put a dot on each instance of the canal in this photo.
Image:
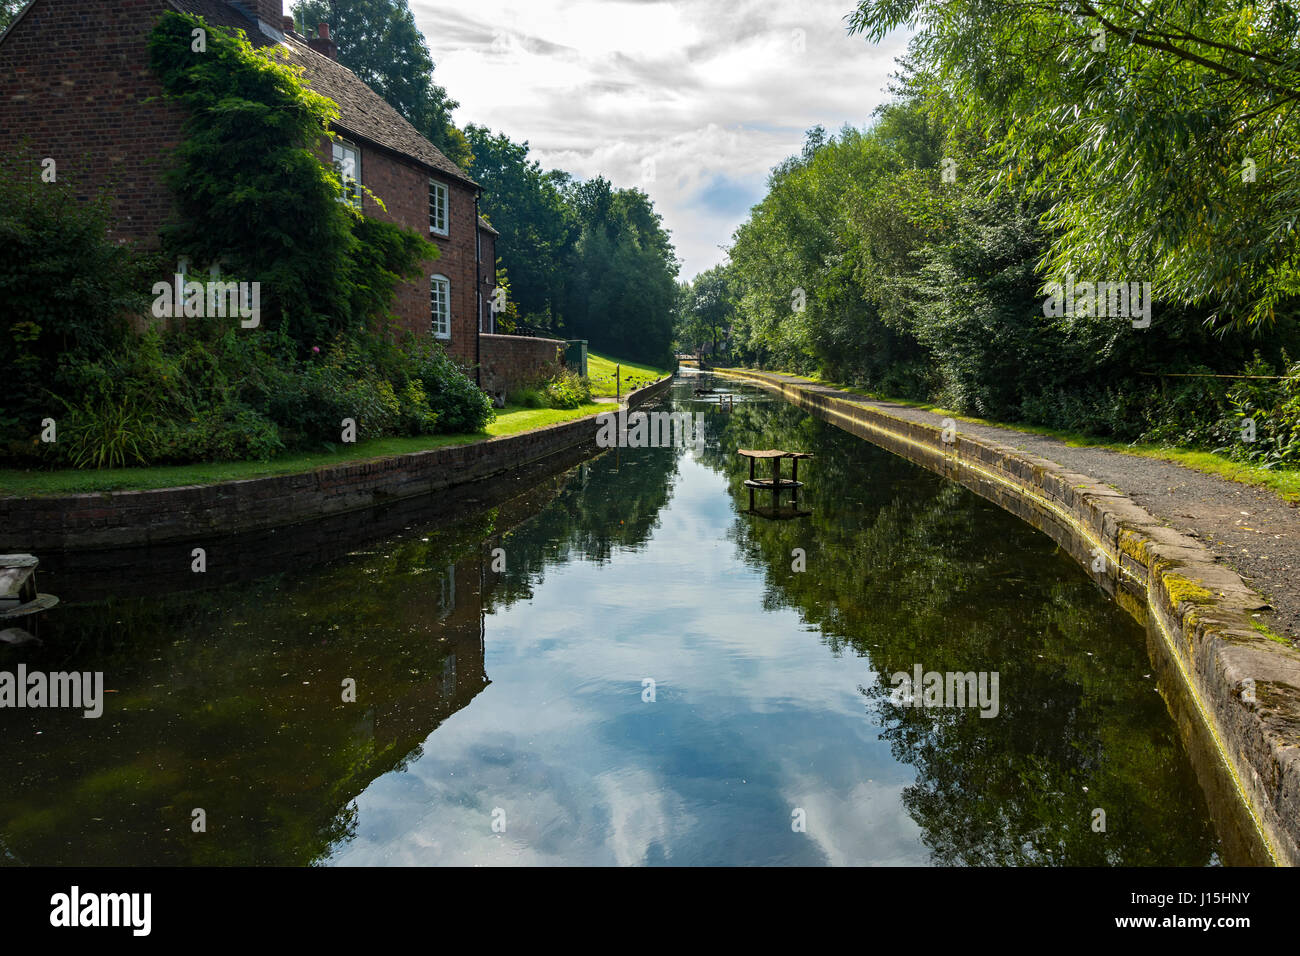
(612, 665)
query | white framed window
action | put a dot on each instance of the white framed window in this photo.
(347, 159)
(438, 217)
(440, 306)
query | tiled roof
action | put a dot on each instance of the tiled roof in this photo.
(362, 111)
(487, 226)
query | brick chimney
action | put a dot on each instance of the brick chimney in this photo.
(322, 43)
(269, 15)
(270, 12)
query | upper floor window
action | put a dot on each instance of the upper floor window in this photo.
(347, 158)
(440, 302)
(437, 208)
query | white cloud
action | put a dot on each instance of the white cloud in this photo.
(694, 102)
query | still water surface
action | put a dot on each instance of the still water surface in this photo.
(516, 697)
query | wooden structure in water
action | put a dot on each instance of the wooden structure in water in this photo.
(777, 484)
(18, 594)
(726, 400)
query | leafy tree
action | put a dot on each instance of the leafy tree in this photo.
(537, 227)
(584, 258)
(707, 310)
(926, 287)
(379, 41)
(1163, 137)
(799, 265)
(9, 9)
(507, 317)
(621, 293)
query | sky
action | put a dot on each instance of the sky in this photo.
(693, 101)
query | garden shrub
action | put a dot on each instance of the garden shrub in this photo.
(174, 398)
(417, 417)
(567, 390)
(228, 433)
(527, 396)
(461, 406)
(1272, 409)
(67, 289)
(563, 390)
(106, 434)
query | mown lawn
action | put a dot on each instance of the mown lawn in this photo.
(600, 369)
(509, 421)
(1282, 481)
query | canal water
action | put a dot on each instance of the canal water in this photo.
(614, 665)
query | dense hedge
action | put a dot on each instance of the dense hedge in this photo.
(233, 394)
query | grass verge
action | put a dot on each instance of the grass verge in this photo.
(1271, 634)
(600, 370)
(509, 421)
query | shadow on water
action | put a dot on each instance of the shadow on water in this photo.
(638, 561)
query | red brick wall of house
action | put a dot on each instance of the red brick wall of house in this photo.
(74, 75)
(403, 187)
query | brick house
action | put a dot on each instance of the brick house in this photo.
(75, 85)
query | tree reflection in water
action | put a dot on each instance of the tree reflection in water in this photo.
(905, 567)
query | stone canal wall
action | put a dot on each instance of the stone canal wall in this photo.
(123, 519)
(1241, 690)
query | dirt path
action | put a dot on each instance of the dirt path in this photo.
(1250, 529)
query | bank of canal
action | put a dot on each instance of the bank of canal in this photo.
(504, 707)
